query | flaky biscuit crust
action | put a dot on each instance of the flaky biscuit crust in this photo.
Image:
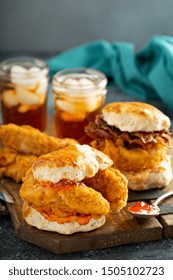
(135, 116)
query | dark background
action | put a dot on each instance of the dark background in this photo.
(50, 26)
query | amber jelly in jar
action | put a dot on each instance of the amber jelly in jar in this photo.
(79, 95)
(23, 89)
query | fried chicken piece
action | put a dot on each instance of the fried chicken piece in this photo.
(14, 165)
(62, 199)
(112, 184)
(134, 159)
(7, 156)
(28, 140)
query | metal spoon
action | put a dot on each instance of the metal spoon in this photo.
(154, 210)
(4, 195)
(3, 210)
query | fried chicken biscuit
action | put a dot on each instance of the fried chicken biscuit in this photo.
(60, 193)
(136, 137)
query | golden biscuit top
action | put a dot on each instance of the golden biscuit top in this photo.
(135, 116)
(74, 162)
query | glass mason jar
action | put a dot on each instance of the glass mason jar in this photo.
(79, 94)
(23, 90)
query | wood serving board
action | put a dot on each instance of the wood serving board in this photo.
(119, 229)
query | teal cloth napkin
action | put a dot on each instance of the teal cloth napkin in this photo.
(146, 74)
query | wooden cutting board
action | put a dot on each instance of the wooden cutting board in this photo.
(121, 228)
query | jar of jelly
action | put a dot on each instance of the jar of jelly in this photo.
(23, 91)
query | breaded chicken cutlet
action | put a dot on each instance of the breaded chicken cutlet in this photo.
(22, 145)
(13, 164)
(30, 141)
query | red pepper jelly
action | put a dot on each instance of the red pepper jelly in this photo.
(143, 208)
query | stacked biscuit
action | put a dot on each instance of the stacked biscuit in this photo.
(72, 190)
(136, 137)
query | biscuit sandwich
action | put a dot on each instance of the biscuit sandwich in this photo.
(136, 137)
(72, 190)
